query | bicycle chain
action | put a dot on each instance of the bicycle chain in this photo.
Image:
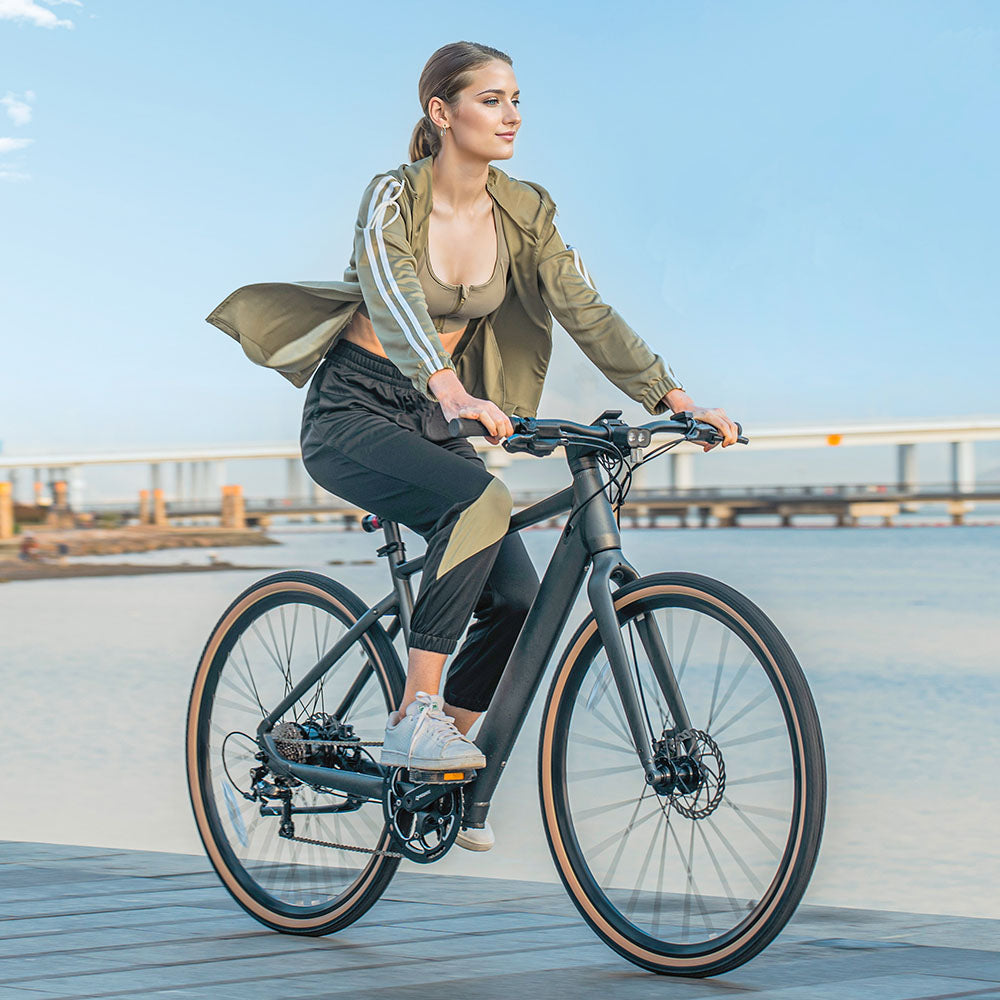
(326, 843)
(346, 847)
(331, 743)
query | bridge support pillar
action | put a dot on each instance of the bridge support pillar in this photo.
(293, 480)
(233, 508)
(144, 512)
(963, 466)
(906, 471)
(906, 466)
(159, 509)
(6, 510)
(154, 476)
(681, 471)
(215, 473)
(12, 478)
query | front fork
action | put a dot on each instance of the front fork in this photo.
(610, 565)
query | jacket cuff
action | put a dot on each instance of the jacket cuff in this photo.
(652, 399)
(423, 373)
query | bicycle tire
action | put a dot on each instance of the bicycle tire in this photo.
(223, 821)
(803, 784)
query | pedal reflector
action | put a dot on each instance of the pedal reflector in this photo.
(421, 776)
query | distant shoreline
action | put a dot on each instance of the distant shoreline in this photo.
(49, 558)
(16, 570)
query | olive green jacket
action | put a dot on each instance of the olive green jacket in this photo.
(503, 356)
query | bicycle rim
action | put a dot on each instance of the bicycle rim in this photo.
(697, 881)
(265, 642)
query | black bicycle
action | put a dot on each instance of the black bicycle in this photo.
(681, 767)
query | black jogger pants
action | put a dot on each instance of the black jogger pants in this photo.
(372, 438)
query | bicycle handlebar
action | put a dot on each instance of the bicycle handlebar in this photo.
(542, 436)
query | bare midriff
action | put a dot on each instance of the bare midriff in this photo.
(361, 332)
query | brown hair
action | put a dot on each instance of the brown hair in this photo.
(446, 73)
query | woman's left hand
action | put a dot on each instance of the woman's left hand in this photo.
(678, 401)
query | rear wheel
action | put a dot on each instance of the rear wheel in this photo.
(695, 880)
(271, 635)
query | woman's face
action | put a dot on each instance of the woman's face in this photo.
(486, 119)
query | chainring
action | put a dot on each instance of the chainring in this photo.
(426, 835)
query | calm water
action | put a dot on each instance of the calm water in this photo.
(896, 629)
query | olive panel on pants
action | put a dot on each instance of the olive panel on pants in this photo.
(369, 437)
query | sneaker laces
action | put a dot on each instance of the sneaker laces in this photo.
(431, 711)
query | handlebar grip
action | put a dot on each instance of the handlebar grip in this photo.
(740, 439)
(466, 427)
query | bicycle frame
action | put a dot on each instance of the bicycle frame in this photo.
(594, 537)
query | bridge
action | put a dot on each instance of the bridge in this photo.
(198, 475)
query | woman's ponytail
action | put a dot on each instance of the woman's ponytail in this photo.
(425, 140)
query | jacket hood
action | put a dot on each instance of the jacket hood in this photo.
(528, 204)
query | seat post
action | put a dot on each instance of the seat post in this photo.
(395, 551)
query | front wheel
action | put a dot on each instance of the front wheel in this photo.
(697, 877)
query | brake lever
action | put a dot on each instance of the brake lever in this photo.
(693, 433)
(531, 444)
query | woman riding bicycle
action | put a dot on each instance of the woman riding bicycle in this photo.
(445, 311)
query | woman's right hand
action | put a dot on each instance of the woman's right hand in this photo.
(456, 402)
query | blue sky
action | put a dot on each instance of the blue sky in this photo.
(795, 203)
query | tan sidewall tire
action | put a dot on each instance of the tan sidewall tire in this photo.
(376, 875)
(808, 761)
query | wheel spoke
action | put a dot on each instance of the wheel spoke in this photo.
(721, 660)
(590, 741)
(270, 650)
(681, 885)
(744, 711)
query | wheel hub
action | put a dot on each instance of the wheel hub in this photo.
(690, 772)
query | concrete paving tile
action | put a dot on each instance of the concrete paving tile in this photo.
(488, 922)
(954, 932)
(15, 993)
(154, 980)
(113, 937)
(552, 981)
(130, 924)
(901, 987)
(21, 852)
(151, 916)
(16, 971)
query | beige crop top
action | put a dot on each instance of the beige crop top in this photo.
(452, 306)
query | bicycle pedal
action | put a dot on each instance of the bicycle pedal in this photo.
(419, 776)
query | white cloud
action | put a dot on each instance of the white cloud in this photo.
(14, 175)
(29, 10)
(18, 110)
(8, 145)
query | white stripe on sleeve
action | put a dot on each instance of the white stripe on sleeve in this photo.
(580, 266)
(409, 323)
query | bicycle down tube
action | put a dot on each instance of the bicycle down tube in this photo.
(593, 538)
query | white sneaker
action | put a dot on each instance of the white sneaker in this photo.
(426, 738)
(474, 839)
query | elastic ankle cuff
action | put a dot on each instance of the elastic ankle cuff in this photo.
(432, 643)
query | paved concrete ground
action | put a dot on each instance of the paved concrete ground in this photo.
(92, 922)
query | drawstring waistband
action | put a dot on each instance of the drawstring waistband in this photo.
(347, 354)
